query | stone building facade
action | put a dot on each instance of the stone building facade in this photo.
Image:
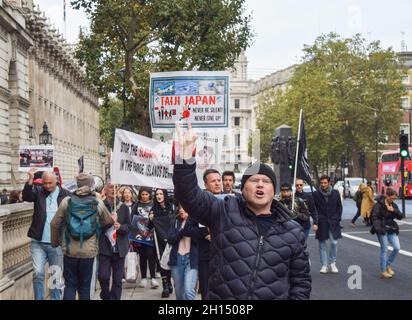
(244, 101)
(40, 81)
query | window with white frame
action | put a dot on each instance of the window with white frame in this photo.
(237, 103)
(406, 102)
(406, 79)
(237, 121)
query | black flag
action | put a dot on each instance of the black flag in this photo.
(80, 161)
(303, 170)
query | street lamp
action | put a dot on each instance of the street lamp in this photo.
(343, 165)
(45, 137)
(122, 72)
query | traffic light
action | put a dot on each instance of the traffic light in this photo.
(403, 145)
(362, 159)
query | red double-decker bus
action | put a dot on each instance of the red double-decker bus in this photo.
(389, 173)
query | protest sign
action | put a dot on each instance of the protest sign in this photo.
(138, 160)
(201, 98)
(37, 156)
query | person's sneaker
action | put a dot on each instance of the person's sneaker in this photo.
(390, 271)
(324, 269)
(143, 283)
(154, 283)
(333, 268)
(386, 275)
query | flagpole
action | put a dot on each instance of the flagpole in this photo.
(296, 158)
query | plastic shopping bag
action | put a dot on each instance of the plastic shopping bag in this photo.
(131, 266)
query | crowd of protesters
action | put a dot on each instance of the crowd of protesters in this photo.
(221, 243)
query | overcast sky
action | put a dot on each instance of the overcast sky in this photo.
(282, 27)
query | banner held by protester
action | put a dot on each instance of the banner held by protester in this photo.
(138, 160)
(38, 156)
(202, 98)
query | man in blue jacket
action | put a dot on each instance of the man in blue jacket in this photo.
(257, 251)
(329, 207)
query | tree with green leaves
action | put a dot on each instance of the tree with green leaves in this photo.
(343, 86)
(146, 36)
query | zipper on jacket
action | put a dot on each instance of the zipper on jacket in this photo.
(252, 284)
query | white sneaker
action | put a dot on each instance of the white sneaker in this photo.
(143, 283)
(154, 283)
(333, 268)
(324, 269)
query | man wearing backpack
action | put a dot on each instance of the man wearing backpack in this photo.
(77, 226)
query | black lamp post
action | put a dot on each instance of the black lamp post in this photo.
(122, 72)
(375, 116)
(343, 166)
(45, 137)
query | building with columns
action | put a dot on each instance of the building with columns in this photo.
(40, 81)
(244, 102)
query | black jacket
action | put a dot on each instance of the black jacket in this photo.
(122, 235)
(329, 215)
(383, 220)
(191, 229)
(162, 222)
(310, 204)
(37, 194)
(243, 264)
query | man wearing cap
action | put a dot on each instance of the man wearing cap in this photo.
(79, 254)
(257, 251)
(46, 199)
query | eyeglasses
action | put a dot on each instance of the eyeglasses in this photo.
(256, 181)
(299, 185)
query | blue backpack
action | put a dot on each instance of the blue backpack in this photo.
(82, 218)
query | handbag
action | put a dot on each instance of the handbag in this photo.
(164, 260)
(131, 266)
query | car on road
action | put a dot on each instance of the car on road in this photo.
(352, 185)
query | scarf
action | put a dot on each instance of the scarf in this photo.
(326, 193)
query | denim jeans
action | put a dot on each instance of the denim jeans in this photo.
(326, 259)
(77, 275)
(41, 253)
(185, 278)
(393, 239)
(306, 232)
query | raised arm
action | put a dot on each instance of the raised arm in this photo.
(28, 193)
(200, 205)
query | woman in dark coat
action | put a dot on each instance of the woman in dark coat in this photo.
(161, 218)
(383, 224)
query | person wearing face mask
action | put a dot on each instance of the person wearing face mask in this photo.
(161, 218)
(329, 206)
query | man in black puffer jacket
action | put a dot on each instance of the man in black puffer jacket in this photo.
(257, 251)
